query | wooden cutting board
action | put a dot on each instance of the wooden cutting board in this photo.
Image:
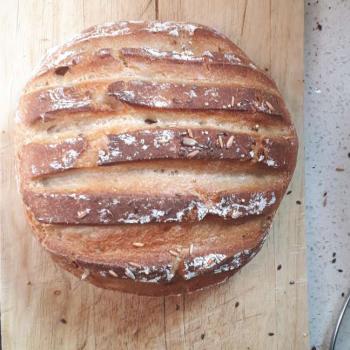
(264, 306)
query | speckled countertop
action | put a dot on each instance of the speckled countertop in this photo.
(327, 157)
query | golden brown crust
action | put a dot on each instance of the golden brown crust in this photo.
(108, 280)
(186, 96)
(109, 64)
(152, 34)
(45, 104)
(166, 258)
(152, 144)
(152, 156)
(139, 208)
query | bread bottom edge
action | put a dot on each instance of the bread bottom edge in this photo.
(178, 286)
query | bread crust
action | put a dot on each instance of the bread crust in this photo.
(136, 208)
(111, 117)
(40, 159)
(107, 280)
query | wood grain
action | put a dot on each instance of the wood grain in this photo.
(43, 307)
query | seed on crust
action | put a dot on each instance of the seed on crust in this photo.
(150, 121)
(221, 142)
(173, 252)
(268, 104)
(85, 274)
(193, 154)
(232, 101)
(138, 244)
(190, 134)
(230, 142)
(188, 141)
(191, 249)
(134, 264)
(82, 213)
(61, 70)
(112, 273)
(129, 273)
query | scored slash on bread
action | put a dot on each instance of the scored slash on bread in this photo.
(152, 156)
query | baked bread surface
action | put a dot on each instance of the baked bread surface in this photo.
(152, 156)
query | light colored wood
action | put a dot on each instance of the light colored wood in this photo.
(36, 296)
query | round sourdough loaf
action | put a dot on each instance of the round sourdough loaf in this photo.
(152, 156)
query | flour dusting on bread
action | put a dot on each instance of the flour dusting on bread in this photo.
(152, 156)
